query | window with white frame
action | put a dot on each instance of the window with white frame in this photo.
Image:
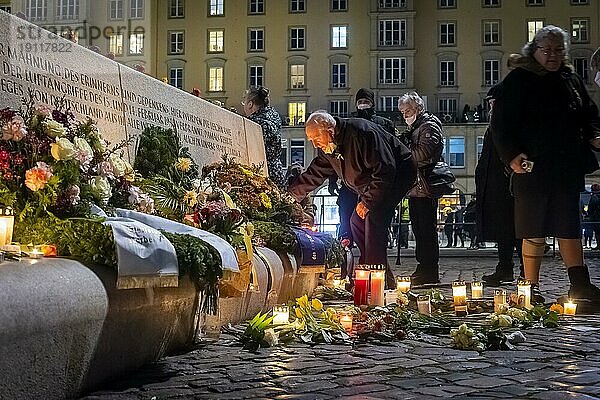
(176, 77)
(447, 33)
(67, 9)
(215, 40)
(6, 9)
(116, 9)
(582, 67)
(491, 3)
(297, 6)
(447, 3)
(176, 42)
(215, 79)
(338, 75)
(297, 36)
(256, 6)
(392, 70)
(115, 44)
(579, 2)
(284, 152)
(339, 37)
(297, 113)
(447, 109)
(491, 72)
(339, 5)
(392, 3)
(388, 103)
(479, 146)
(176, 8)
(532, 27)
(579, 30)
(447, 73)
(256, 74)
(392, 32)
(456, 151)
(535, 2)
(491, 32)
(297, 151)
(136, 43)
(256, 37)
(338, 108)
(137, 9)
(36, 10)
(297, 76)
(215, 7)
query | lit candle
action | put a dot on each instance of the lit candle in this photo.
(570, 307)
(281, 314)
(7, 222)
(361, 285)
(499, 299)
(390, 297)
(476, 290)
(36, 253)
(3, 229)
(339, 283)
(424, 304)
(403, 283)
(524, 289)
(377, 285)
(459, 292)
(346, 321)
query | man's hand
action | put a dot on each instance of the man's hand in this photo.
(516, 162)
(595, 142)
(361, 210)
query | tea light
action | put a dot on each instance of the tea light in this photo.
(476, 290)
(424, 304)
(390, 297)
(36, 253)
(377, 285)
(361, 285)
(346, 320)
(570, 307)
(524, 289)
(339, 283)
(459, 292)
(281, 314)
(403, 283)
(499, 299)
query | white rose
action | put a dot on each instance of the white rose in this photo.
(63, 149)
(83, 152)
(118, 164)
(53, 128)
(101, 188)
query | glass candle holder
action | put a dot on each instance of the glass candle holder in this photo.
(281, 314)
(524, 290)
(390, 297)
(377, 285)
(424, 304)
(36, 253)
(569, 308)
(7, 223)
(339, 283)
(459, 293)
(403, 283)
(499, 299)
(361, 285)
(346, 320)
(476, 290)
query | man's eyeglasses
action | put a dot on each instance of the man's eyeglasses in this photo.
(546, 51)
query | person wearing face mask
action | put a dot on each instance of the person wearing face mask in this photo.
(544, 126)
(424, 137)
(372, 163)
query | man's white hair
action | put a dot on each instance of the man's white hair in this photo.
(413, 99)
(321, 119)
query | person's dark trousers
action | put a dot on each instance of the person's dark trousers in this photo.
(458, 234)
(424, 222)
(448, 231)
(403, 234)
(371, 234)
(346, 202)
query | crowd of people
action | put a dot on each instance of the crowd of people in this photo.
(536, 152)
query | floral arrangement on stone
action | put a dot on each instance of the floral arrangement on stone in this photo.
(50, 163)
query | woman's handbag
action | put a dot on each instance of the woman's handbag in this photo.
(439, 179)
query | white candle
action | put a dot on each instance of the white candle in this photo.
(499, 299)
(36, 253)
(346, 321)
(570, 308)
(403, 283)
(281, 314)
(524, 289)
(3, 229)
(377, 286)
(390, 297)
(424, 304)
(476, 290)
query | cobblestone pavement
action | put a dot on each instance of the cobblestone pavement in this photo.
(562, 363)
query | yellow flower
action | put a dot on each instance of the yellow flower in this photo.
(247, 172)
(331, 312)
(330, 148)
(317, 305)
(190, 198)
(302, 301)
(298, 313)
(265, 200)
(183, 164)
(557, 308)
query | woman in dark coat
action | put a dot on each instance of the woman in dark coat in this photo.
(545, 116)
(495, 209)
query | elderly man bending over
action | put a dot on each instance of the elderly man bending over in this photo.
(371, 162)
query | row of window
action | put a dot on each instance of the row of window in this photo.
(37, 10)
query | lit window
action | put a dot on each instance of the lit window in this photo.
(297, 39)
(215, 41)
(491, 72)
(115, 44)
(491, 32)
(257, 39)
(67, 9)
(579, 30)
(216, 7)
(297, 113)
(137, 9)
(297, 76)
(339, 108)
(176, 42)
(256, 75)
(392, 70)
(176, 77)
(116, 9)
(339, 36)
(532, 28)
(392, 32)
(456, 154)
(36, 10)
(176, 9)
(215, 79)
(447, 33)
(338, 75)
(136, 43)
(447, 69)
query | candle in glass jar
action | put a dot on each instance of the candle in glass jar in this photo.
(346, 321)
(476, 290)
(499, 299)
(424, 304)
(377, 287)
(524, 289)
(36, 253)
(569, 308)
(338, 283)
(390, 297)
(403, 283)
(459, 292)
(281, 314)
(361, 286)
